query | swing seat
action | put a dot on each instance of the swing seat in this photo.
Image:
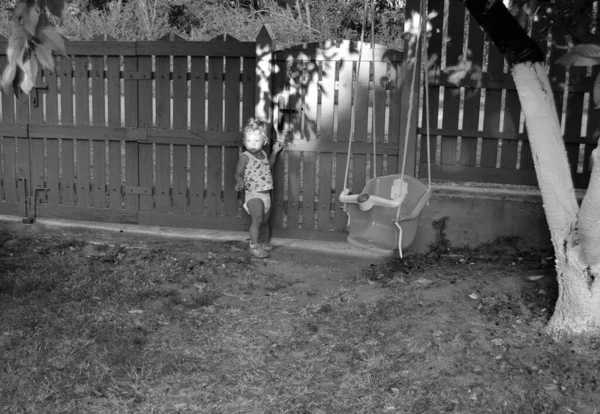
(390, 221)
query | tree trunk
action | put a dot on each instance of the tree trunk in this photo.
(589, 216)
(549, 155)
(576, 243)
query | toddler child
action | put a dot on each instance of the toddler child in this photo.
(254, 174)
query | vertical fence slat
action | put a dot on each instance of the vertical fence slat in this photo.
(434, 48)
(197, 108)
(344, 107)
(67, 146)
(232, 123)
(249, 88)
(145, 120)
(395, 84)
(215, 123)
(196, 179)
(82, 117)
(311, 101)
(573, 120)
(472, 104)
(456, 19)
(327, 95)
(8, 146)
(493, 106)
(308, 190)
(163, 121)
(340, 218)
(52, 155)
(180, 178)
(180, 121)
(68, 171)
(344, 100)
(53, 170)
(361, 103)
(180, 92)
(293, 194)
(512, 114)
(325, 171)
(37, 144)
(327, 86)
(114, 119)
(22, 117)
(98, 119)
(379, 107)
(130, 108)
(279, 79)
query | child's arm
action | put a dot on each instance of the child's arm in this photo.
(277, 147)
(239, 172)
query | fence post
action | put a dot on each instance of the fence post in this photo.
(406, 101)
(265, 47)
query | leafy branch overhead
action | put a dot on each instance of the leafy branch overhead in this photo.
(31, 44)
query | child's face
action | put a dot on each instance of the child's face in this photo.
(254, 141)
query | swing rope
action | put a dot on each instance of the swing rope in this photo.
(422, 37)
(374, 120)
(353, 103)
(424, 62)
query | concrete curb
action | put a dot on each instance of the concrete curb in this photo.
(325, 248)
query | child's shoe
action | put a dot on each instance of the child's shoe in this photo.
(267, 247)
(258, 251)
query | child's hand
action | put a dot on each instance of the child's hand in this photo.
(278, 146)
(239, 186)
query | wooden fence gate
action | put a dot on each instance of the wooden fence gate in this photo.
(131, 132)
(150, 132)
(312, 92)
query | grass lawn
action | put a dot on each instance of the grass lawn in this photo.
(167, 326)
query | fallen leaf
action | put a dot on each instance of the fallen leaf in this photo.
(497, 341)
(136, 311)
(474, 296)
(424, 282)
(534, 278)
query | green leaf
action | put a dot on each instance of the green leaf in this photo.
(19, 75)
(596, 93)
(16, 44)
(19, 10)
(44, 55)
(30, 20)
(55, 7)
(581, 55)
(30, 69)
(8, 76)
(52, 40)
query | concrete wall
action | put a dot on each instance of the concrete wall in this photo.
(480, 215)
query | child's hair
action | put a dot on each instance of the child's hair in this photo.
(256, 125)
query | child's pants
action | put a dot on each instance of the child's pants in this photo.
(265, 197)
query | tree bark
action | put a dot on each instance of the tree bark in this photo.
(577, 311)
(549, 154)
(589, 216)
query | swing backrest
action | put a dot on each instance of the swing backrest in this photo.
(416, 196)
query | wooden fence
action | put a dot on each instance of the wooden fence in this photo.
(478, 129)
(149, 132)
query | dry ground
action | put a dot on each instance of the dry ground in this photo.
(175, 326)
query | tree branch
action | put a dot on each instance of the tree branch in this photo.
(504, 31)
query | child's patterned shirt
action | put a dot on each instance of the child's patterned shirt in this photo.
(257, 176)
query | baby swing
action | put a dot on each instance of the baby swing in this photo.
(385, 215)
